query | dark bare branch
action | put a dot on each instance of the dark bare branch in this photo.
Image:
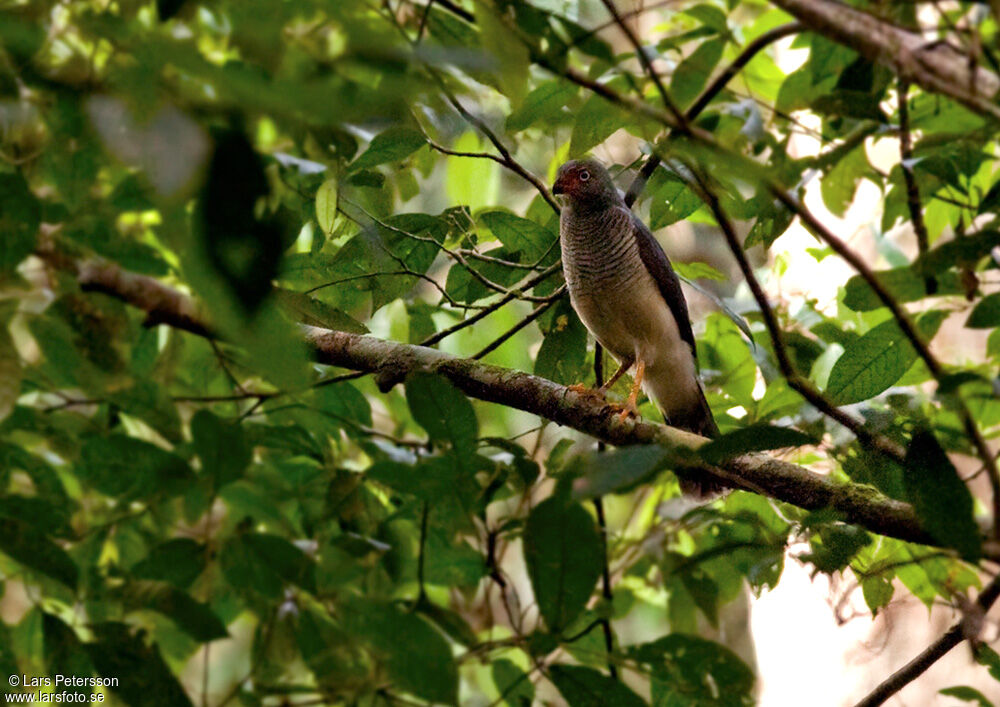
(934, 652)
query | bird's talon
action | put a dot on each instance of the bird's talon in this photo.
(627, 412)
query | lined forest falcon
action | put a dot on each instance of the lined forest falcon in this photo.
(625, 291)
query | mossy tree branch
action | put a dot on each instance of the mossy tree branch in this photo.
(391, 362)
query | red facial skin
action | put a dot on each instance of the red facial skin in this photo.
(570, 181)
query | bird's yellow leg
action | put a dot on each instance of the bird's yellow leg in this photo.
(626, 364)
(630, 406)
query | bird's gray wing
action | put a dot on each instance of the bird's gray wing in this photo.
(658, 265)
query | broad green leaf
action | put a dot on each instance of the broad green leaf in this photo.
(264, 563)
(191, 616)
(699, 271)
(178, 561)
(221, 446)
(874, 362)
(835, 545)
(988, 658)
(314, 312)
(66, 655)
(692, 670)
(326, 206)
(904, 284)
(442, 410)
(416, 657)
(126, 467)
(617, 470)
(877, 592)
(10, 374)
(519, 235)
(693, 72)
(20, 216)
(472, 181)
(141, 677)
(966, 694)
(511, 58)
(940, 497)
(543, 103)
(513, 684)
(564, 554)
(562, 357)
(986, 313)
(393, 145)
(34, 550)
(841, 182)
(585, 687)
(756, 438)
(595, 122)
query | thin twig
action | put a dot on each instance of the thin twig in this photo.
(912, 190)
(916, 667)
(709, 94)
(774, 330)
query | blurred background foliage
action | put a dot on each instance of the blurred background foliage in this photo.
(224, 522)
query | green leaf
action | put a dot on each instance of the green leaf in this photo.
(940, 497)
(178, 561)
(544, 103)
(875, 361)
(313, 312)
(326, 206)
(967, 694)
(141, 677)
(617, 470)
(393, 145)
(755, 438)
(512, 683)
(519, 235)
(841, 182)
(10, 374)
(904, 284)
(416, 657)
(564, 554)
(688, 670)
(988, 658)
(194, 618)
(877, 591)
(693, 72)
(65, 655)
(20, 216)
(511, 58)
(585, 687)
(595, 122)
(442, 410)
(696, 271)
(221, 446)
(563, 355)
(264, 563)
(986, 313)
(32, 549)
(472, 181)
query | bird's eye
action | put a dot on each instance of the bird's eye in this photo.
(584, 175)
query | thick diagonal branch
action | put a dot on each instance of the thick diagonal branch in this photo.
(391, 362)
(937, 67)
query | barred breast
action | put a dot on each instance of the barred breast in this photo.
(604, 274)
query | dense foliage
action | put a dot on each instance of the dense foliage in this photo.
(220, 520)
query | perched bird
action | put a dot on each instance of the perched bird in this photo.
(625, 291)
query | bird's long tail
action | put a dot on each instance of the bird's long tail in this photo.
(698, 419)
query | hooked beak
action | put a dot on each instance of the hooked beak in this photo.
(559, 187)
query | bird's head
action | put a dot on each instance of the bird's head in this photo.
(585, 182)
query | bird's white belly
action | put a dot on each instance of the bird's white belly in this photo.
(635, 322)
